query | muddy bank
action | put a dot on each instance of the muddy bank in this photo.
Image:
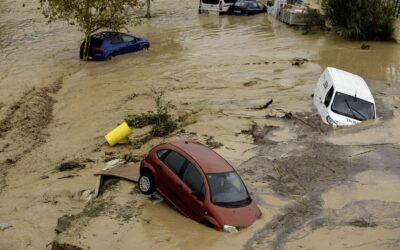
(24, 126)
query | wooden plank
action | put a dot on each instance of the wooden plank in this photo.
(127, 172)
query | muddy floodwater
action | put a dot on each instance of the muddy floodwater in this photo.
(318, 187)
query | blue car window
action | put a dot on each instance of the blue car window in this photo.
(128, 39)
(116, 39)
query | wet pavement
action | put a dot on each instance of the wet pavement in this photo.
(313, 183)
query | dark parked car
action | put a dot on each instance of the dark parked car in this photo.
(247, 7)
(105, 45)
(200, 184)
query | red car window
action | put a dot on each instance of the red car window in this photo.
(174, 161)
(192, 178)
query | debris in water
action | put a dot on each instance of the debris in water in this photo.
(213, 144)
(155, 198)
(67, 176)
(250, 83)
(10, 161)
(298, 61)
(263, 106)
(86, 195)
(286, 115)
(365, 46)
(70, 165)
(64, 222)
(114, 163)
(362, 223)
(5, 226)
(63, 246)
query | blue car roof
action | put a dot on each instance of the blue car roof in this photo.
(107, 34)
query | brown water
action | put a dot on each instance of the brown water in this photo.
(213, 67)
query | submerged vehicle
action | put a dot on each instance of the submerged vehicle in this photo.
(343, 98)
(105, 45)
(247, 7)
(215, 6)
(200, 184)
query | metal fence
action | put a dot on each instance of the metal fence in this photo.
(397, 8)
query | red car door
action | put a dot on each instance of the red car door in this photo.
(168, 168)
(192, 191)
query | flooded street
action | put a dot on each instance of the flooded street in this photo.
(313, 183)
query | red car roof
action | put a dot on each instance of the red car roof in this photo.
(209, 160)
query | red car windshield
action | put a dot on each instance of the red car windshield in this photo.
(227, 189)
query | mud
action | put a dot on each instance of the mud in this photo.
(70, 165)
(64, 246)
(318, 187)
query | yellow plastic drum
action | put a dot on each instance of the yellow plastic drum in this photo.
(119, 134)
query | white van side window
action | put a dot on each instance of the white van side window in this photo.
(328, 97)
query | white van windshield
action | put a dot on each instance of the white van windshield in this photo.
(353, 107)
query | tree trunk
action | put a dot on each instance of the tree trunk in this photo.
(86, 48)
(148, 14)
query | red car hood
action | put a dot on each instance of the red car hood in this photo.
(241, 217)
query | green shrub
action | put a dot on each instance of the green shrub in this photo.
(312, 19)
(163, 123)
(361, 19)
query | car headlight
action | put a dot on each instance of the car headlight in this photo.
(230, 229)
(330, 121)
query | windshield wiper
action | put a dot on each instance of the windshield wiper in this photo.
(235, 203)
(241, 202)
(354, 110)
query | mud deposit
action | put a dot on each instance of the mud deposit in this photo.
(231, 85)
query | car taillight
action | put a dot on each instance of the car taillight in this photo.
(100, 50)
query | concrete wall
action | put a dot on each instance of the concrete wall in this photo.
(396, 34)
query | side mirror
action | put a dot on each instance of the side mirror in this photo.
(198, 195)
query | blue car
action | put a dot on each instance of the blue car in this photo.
(247, 8)
(105, 45)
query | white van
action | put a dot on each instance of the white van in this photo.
(215, 6)
(343, 98)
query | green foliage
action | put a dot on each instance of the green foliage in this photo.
(361, 19)
(163, 123)
(90, 15)
(312, 18)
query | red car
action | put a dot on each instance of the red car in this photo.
(200, 184)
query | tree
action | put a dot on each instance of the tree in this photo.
(148, 3)
(90, 15)
(361, 19)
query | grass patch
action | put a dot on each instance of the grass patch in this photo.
(162, 122)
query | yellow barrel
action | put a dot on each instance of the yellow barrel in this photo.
(124, 141)
(119, 134)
